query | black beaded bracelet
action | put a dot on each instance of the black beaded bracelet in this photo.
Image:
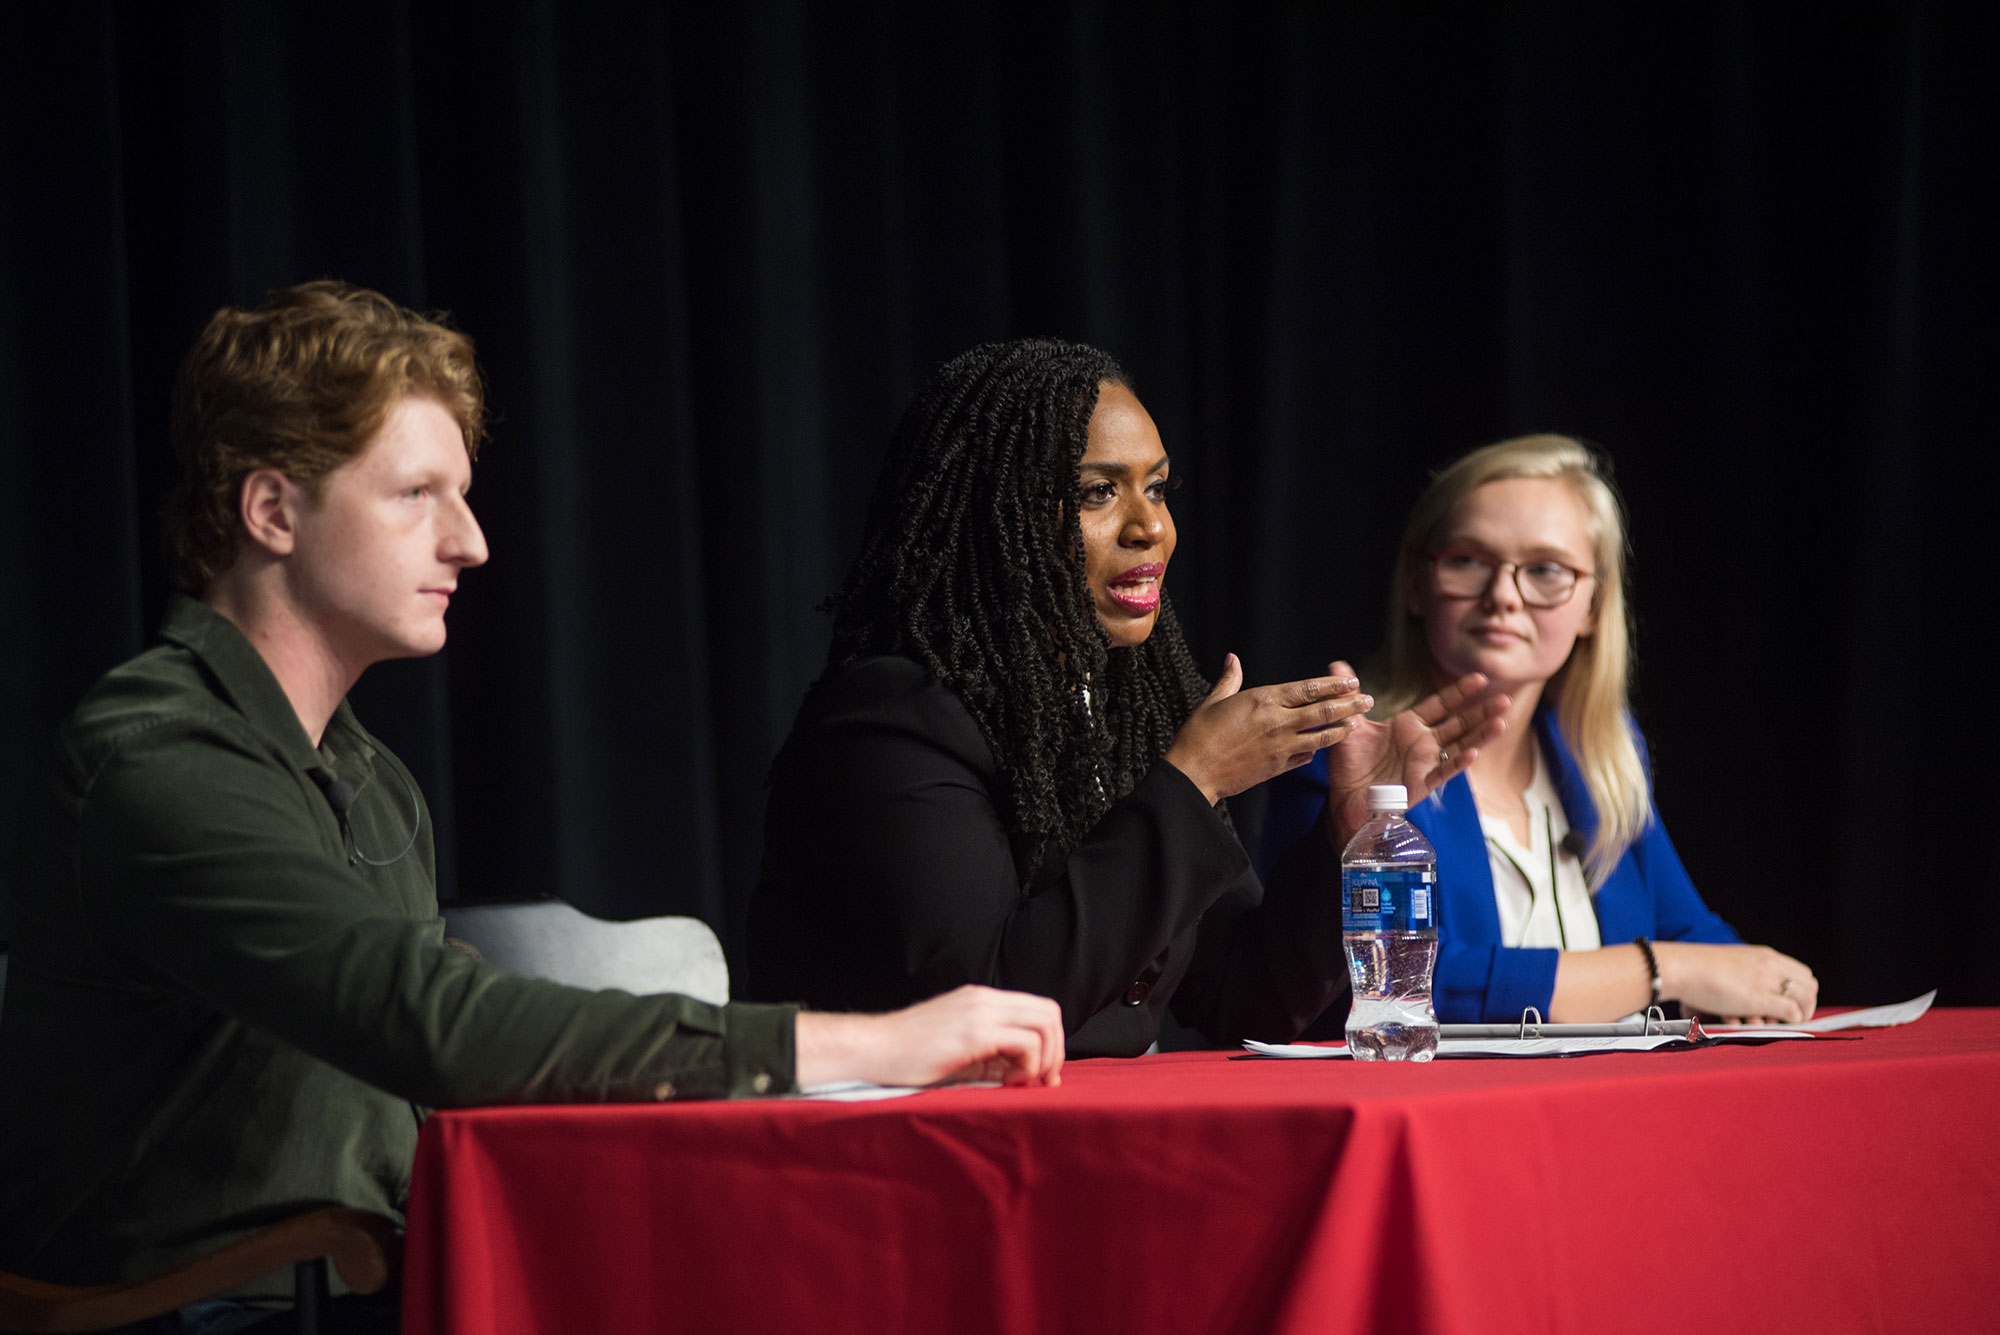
(1652, 966)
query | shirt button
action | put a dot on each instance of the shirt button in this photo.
(664, 1090)
(761, 1082)
(1136, 994)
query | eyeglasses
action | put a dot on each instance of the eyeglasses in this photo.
(1540, 583)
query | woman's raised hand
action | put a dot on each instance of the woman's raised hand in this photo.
(1236, 739)
(1420, 748)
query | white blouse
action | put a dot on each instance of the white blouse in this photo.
(1540, 889)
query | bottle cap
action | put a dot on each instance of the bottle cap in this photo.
(1388, 797)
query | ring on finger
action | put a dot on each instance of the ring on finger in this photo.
(1785, 987)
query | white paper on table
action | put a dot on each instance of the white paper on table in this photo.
(1530, 1047)
(1291, 1051)
(1486, 1047)
(860, 1091)
(855, 1091)
(1875, 1017)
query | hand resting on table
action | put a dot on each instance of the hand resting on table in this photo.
(1742, 984)
(969, 1033)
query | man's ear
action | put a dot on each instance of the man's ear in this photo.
(269, 507)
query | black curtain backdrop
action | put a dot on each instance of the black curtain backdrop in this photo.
(707, 250)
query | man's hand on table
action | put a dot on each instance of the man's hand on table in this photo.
(969, 1033)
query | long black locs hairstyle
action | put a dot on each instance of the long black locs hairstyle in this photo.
(972, 564)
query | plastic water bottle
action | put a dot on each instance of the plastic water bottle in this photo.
(1388, 910)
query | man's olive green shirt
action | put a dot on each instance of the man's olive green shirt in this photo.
(223, 1009)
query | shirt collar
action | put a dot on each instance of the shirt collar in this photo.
(346, 747)
(242, 677)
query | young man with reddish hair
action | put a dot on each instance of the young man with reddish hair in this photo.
(228, 985)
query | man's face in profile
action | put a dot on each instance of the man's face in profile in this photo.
(379, 550)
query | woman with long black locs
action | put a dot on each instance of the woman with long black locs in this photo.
(1010, 771)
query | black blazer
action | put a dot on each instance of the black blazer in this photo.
(889, 876)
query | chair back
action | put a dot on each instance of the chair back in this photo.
(550, 939)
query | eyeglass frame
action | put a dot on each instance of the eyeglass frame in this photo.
(1493, 569)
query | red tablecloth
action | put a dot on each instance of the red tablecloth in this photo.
(1825, 1185)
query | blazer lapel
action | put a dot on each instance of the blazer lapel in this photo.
(1450, 820)
(1577, 806)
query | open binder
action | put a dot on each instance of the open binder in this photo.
(1653, 1022)
(1648, 1033)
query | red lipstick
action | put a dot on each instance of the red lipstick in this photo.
(1138, 589)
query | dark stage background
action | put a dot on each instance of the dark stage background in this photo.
(707, 250)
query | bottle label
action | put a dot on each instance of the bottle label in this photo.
(1387, 899)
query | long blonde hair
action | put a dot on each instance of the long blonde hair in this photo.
(1589, 691)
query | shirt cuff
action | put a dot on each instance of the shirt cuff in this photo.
(760, 1050)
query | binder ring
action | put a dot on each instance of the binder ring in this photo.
(1531, 1028)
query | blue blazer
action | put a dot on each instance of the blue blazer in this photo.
(1478, 979)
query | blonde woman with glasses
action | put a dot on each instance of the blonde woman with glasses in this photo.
(1559, 888)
